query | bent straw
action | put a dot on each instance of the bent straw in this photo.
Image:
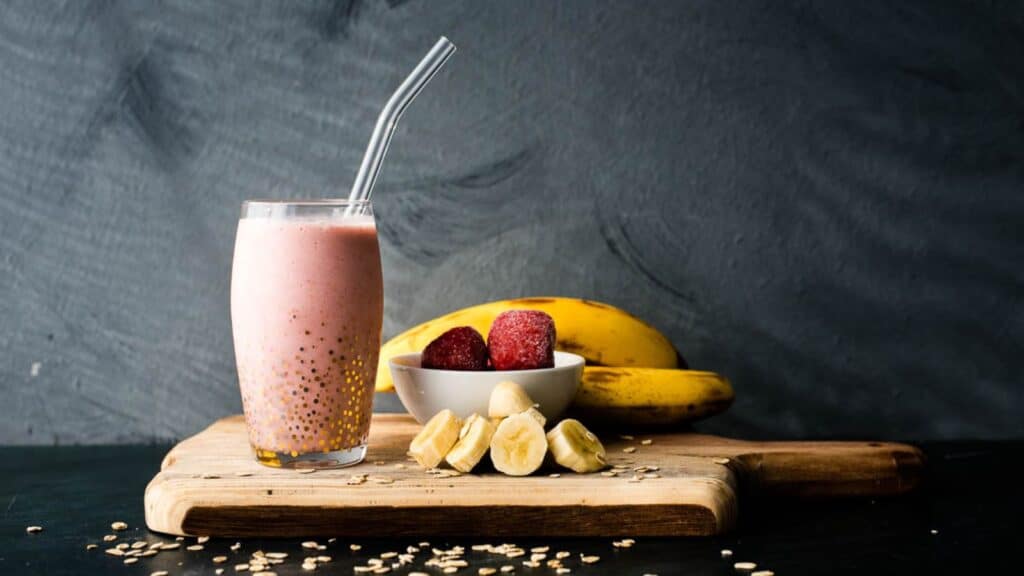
(389, 115)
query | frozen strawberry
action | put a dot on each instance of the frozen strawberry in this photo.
(461, 348)
(522, 340)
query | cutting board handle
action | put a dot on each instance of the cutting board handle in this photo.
(829, 469)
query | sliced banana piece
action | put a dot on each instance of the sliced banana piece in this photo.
(536, 415)
(575, 447)
(436, 438)
(508, 398)
(474, 440)
(518, 445)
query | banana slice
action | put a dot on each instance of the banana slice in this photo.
(575, 447)
(436, 438)
(518, 445)
(536, 415)
(508, 398)
(474, 439)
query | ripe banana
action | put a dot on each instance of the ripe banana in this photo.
(474, 440)
(602, 334)
(536, 415)
(575, 447)
(436, 438)
(649, 397)
(518, 445)
(508, 398)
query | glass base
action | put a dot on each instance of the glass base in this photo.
(319, 460)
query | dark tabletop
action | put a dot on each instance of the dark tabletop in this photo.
(970, 500)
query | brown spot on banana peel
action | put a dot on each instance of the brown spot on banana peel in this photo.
(529, 301)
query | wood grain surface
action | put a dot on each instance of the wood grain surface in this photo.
(210, 484)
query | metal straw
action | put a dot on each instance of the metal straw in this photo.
(392, 111)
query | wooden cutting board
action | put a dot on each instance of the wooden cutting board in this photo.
(210, 484)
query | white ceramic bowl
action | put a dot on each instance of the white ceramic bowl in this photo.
(426, 391)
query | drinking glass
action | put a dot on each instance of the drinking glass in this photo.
(306, 311)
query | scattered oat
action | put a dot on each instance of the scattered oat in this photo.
(388, 555)
(236, 546)
(110, 537)
(148, 553)
(538, 557)
(934, 531)
(130, 560)
(562, 554)
(562, 570)
(763, 573)
(114, 551)
(310, 545)
(589, 559)
(646, 442)
(139, 544)
(241, 567)
(218, 571)
(487, 571)
(202, 539)
(626, 437)
(507, 568)
(220, 559)
(264, 573)
(629, 449)
(180, 538)
(744, 566)
(423, 544)
(170, 546)
(450, 570)
(91, 546)
(354, 547)
(122, 546)
(555, 475)
(540, 549)
(194, 547)
(159, 573)
(118, 526)
(418, 574)
(609, 473)
(531, 564)
(276, 555)
(722, 461)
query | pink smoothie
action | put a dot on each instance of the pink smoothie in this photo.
(306, 311)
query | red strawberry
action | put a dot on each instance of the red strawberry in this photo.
(522, 340)
(461, 348)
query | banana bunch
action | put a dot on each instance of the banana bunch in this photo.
(602, 334)
(633, 377)
(514, 435)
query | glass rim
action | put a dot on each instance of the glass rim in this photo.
(306, 202)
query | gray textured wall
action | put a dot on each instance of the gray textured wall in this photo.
(824, 201)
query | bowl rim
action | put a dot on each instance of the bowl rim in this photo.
(575, 360)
